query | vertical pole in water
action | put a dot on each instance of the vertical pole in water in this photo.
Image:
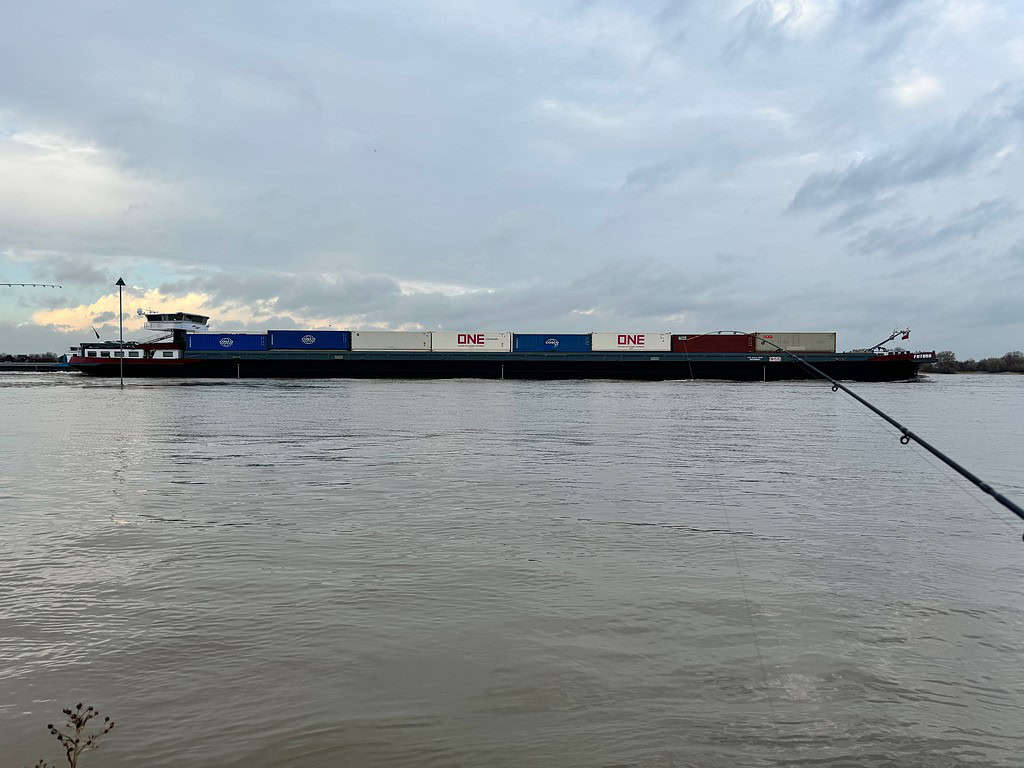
(120, 324)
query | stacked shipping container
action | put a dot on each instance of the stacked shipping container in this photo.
(795, 342)
(713, 342)
(227, 342)
(504, 341)
(631, 341)
(471, 341)
(391, 341)
(552, 342)
(309, 339)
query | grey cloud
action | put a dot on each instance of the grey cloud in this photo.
(912, 235)
(884, 25)
(303, 292)
(22, 339)
(857, 212)
(566, 157)
(616, 293)
(672, 11)
(104, 317)
(74, 270)
(937, 154)
(760, 27)
(729, 258)
(651, 176)
(875, 11)
(756, 28)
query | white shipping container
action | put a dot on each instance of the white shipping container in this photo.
(471, 341)
(630, 341)
(390, 341)
(795, 342)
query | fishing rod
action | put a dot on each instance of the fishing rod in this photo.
(907, 435)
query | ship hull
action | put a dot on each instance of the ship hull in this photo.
(430, 365)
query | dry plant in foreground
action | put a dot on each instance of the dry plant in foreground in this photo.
(76, 740)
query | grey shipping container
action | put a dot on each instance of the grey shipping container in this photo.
(795, 342)
(391, 341)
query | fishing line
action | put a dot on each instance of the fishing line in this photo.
(925, 544)
(942, 475)
(689, 362)
(906, 434)
(746, 602)
(750, 613)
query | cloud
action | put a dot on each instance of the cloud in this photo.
(577, 115)
(912, 235)
(915, 89)
(72, 270)
(81, 317)
(770, 22)
(649, 177)
(502, 164)
(50, 178)
(951, 150)
(618, 294)
(874, 11)
(857, 212)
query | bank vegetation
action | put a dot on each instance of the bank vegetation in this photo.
(1011, 362)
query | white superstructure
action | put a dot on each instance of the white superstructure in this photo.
(175, 321)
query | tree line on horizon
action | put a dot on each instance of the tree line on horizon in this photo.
(33, 357)
(946, 362)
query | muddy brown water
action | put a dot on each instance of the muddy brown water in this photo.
(264, 573)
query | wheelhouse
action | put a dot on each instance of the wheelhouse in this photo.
(175, 321)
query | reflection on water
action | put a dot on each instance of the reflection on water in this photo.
(257, 573)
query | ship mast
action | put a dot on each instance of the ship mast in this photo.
(903, 333)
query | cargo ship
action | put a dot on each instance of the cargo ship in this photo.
(186, 348)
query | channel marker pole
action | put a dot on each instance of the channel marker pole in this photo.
(120, 324)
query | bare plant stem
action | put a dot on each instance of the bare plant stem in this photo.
(75, 739)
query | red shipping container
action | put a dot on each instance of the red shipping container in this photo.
(713, 342)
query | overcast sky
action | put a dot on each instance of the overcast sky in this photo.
(848, 165)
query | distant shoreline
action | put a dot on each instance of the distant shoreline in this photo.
(930, 369)
(946, 362)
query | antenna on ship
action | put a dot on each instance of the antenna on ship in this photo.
(907, 435)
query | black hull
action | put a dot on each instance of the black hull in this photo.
(425, 367)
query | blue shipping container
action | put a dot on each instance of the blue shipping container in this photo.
(227, 342)
(309, 339)
(551, 342)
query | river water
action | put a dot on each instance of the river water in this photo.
(508, 573)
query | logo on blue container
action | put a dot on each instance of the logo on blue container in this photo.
(553, 343)
(226, 341)
(309, 339)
